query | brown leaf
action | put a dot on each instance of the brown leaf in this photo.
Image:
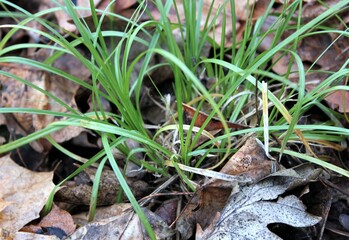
(63, 17)
(313, 9)
(27, 192)
(56, 219)
(338, 100)
(212, 200)
(17, 94)
(167, 211)
(60, 219)
(121, 5)
(250, 161)
(214, 123)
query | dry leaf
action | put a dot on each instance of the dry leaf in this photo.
(34, 236)
(124, 226)
(213, 124)
(212, 200)
(27, 192)
(57, 223)
(314, 8)
(250, 221)
(4, 204)
(250, 161)
(60, 219)
(121, 5)
(249, 211)
(168, 210)
(102, 213)
(63, 17)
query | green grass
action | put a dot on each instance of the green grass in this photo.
(238, 84)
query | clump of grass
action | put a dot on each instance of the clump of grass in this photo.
(238, 85)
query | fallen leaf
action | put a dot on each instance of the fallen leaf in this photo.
(212, 200)
(63, 17)
(250, 221)
(313, 8)
(27, 192)
(250, 161)
(102, 213)
(338, 100)
(213, 124)
(168, 210)
(58, 218)
(34, 236)
(3, 204)
(121, 5)
(124, 226)
(249, 211)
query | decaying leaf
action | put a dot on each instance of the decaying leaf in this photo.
(250, 221)
(34, 236)
(212, 201)
(3, 204)
(58, 223)
(249, 211)
(250, 161)
(124, 226)
(214, 123)
(168, 209)
(26, 191)
(102, 213)
(57, 219)
(63, 17)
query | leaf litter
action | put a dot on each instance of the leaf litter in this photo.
(218, 209)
